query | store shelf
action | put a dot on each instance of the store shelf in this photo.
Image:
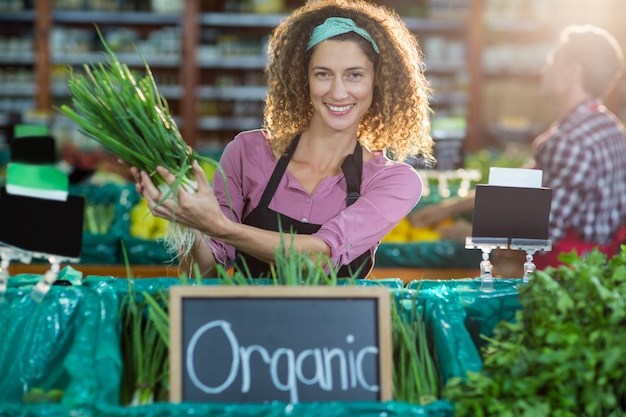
(457, 27)
(21, 58)
(132, 59)
(24, 16)
(233, 62)
(214, 56)
(519, 28)
(449, 98)
(272, 20)
(201, 65)
(116, 18)
(444, 68)
(242, 20)
(18, 89)
(232, 93)
(62, 90)
(229, 123)
(513, 72)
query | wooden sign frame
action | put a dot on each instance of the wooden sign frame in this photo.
(380, 296)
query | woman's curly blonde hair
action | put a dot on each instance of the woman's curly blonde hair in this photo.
(398, 121)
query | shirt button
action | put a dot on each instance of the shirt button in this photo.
(304, 220)
(308, 200)
(349, 245)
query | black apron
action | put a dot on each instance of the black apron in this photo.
(265, 218)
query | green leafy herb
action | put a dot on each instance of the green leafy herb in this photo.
(564, 353)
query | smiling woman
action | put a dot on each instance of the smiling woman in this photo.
(347, 102)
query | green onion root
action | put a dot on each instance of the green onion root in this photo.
(179, 239)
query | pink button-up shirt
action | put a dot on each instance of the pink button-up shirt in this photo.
(389, 190)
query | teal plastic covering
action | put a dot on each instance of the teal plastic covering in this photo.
(486, 309)
(99, 249)
(483, 310)
(392, 283)
(71, 342)
(44, 410)
(152, 285)
(68, 274)
(326, 409)
(455, 352)
(64, 347)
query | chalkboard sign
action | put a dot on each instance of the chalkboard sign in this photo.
(279, 343)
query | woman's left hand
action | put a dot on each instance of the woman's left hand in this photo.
(199, 210)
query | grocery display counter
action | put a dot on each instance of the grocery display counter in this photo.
(153, 271)
(83, 330)
(66, 352)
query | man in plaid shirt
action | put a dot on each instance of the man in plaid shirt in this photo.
(583, 154)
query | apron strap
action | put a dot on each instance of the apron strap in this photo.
(352, 168)
(279, 170)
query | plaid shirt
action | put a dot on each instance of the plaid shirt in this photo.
(583, 159)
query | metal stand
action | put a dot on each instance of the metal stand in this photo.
(8, 254)
(486, 245)
(531, 246)
(45, 283)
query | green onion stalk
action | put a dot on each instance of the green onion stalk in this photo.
(124, 112)
(144, 350)
(415, 374)
(144, 344)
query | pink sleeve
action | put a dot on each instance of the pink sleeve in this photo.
(231, 189)
(388, 195)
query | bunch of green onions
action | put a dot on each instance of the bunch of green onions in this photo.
(125, 112)
(415, 375)
(144, 348)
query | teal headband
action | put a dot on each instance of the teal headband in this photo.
(334, 26)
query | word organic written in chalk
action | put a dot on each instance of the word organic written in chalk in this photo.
(349, 368)
(279, 344)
